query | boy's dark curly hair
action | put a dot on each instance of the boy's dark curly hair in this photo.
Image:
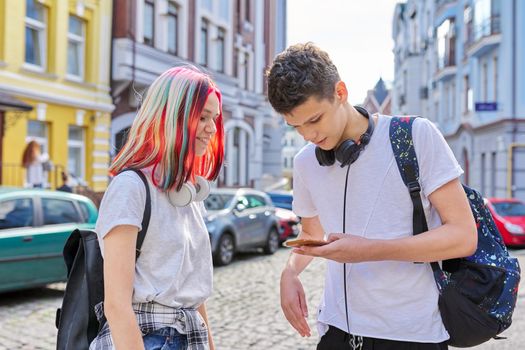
(301, 71)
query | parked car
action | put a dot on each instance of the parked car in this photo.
(289, 223)
(240, 219)
(509, 216)
(281, 199)
(34, 225)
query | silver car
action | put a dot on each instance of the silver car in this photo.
(240, 219)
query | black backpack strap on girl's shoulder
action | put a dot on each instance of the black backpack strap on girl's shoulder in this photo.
(147, 212)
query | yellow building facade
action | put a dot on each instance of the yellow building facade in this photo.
(55, 56)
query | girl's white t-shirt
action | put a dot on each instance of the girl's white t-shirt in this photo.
(386, 299)
(175, 265)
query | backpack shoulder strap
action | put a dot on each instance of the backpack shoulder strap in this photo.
(147, 212)
(405, 155)
(404, 152)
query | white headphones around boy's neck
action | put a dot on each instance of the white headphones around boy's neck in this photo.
(190, 192)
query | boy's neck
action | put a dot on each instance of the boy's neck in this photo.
(356, 124)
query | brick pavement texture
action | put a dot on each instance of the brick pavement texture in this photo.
(244, 310)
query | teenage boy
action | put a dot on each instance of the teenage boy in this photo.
(377, 293)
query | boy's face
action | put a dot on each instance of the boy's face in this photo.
(319, 121)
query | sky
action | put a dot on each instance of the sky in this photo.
(357, 34)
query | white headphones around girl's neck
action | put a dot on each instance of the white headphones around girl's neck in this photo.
(190, 192)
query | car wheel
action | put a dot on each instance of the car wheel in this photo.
(272, 244)
(225, 250)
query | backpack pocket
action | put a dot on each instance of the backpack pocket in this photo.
(465, 322)
(481, 284)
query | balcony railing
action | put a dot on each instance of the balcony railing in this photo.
(13, 174)
(488, 27)
(449, 57)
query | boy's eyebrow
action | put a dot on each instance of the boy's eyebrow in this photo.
(309, 119)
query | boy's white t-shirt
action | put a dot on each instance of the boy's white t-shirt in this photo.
(386, 299)
(175, 265)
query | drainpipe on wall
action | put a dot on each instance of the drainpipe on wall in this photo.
(510, 167)
(514, 29)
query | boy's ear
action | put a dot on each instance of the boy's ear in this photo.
(341, 91)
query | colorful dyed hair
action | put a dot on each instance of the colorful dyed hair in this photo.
(163, 134)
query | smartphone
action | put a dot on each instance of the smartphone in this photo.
(304, 242)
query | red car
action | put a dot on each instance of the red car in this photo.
(509, 216)
(288, 222)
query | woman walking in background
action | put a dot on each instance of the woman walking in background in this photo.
(36, 164)
(177, 141)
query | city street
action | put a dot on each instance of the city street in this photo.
(244, 310)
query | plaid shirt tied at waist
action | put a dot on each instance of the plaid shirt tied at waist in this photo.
(152, 316)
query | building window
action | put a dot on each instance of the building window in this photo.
(203, 58)
(446, 106)
(469, 27)
(483, 174)
(484, 82)
(220, 49)
(247, 10)
(467, 95)
(453, 100)
(37, 131)
(446, 44)
(493, 170)
(173, 28)
(414, 35)
(75, 152)
(236, 156)
(36, 33)
(246, 61)
(149, 21)
(495, 82)
(120, 139)
(76, 43)
(486, 18)
(224, 10)
(207, 4)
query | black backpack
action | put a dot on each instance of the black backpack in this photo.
(76, 321)
(477, 294)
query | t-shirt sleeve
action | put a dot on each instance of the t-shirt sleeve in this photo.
(122, 204)
(302, 204)
(437, 163)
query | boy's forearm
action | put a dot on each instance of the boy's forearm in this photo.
(445, 242)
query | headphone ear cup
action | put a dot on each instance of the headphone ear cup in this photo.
(184, 196)
(347, 152)
(325, 158)
(203, 188)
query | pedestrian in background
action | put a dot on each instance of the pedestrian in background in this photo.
(65, 183)
(37, 164)
(177, 141)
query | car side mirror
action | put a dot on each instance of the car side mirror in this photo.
(240, 207)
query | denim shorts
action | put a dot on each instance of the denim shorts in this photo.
(166, 338)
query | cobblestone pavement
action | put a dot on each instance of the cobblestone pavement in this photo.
(244, 310)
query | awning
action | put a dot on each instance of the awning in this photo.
(9, 103)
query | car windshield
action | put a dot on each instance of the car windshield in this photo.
(218, 201)
(510, 208)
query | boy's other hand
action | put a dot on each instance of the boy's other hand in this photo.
(293, 302)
